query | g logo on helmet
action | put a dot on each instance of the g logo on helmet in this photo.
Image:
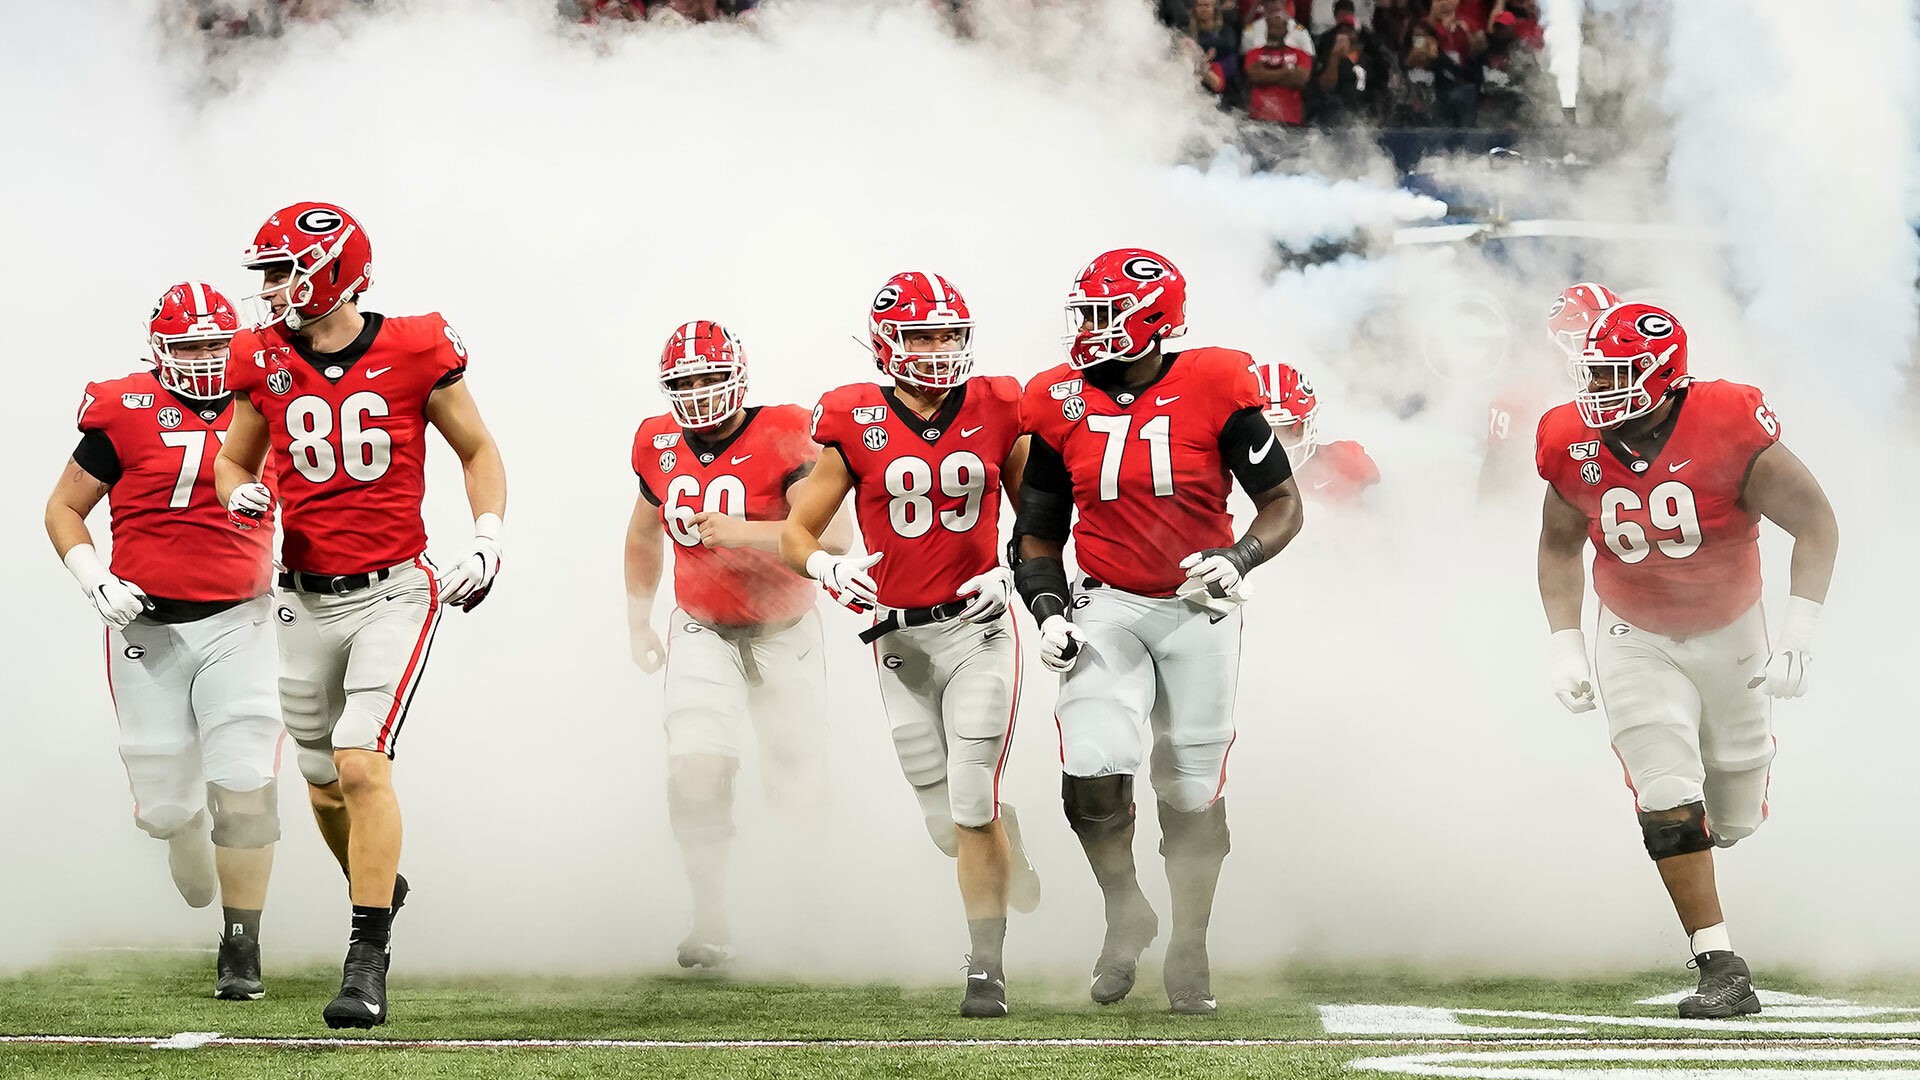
(887, 297)
(1559, 303)
(1141, 268)
(318, 220)
(1653, 325)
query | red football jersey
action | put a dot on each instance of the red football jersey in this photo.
(1675, 551)
(1277, 104)
(746, 475)
(348, 435)
(1517, 408)
(1338, 472)
(1149, 481)
(171, 536)
(926, 491)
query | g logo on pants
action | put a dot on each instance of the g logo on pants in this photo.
(286, 614)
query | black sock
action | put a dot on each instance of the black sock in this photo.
(989, 939)
(372, 924)
(240, 923)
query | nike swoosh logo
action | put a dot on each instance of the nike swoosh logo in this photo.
(968, 433)
(1260, 455)
(1321, 484)
(1168, 401)
(374, 373)
(372, 1008)
(741, 458)
(1681, 465)
(1745, 660)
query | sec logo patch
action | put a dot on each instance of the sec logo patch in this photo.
(1590, 472)
(875, 438)
(666, 461)
(170, 417)
(1074, 408)
(280, 381)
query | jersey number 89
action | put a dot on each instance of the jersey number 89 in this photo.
(367, 451)
(1670, 508)
(910, 484)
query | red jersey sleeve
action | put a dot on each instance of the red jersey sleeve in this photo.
(93, 414)
(793, 439)
(1044, 404)
(246, 364)
(1239, 376)
(447, 352)
(655, 435)
(833, 418)
(1750, 421)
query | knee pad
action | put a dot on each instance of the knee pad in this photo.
(1200, 834)
(922, 753)
(1668, 793)
(316, 764)
(245, 819)
(167, 822)
(1668, 834)
(1098, 807)
(703, 816)
(304, 704)
(1736, 803)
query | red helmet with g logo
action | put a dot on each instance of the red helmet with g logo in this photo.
(192, 311)
(703, 347)
(1293, 409)
(919, 301)
(1122, 304)
(1572, 313)
(327, 252)
(1636, 354)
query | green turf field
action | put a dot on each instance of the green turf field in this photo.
(1280, 1024)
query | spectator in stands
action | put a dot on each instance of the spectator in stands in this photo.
(1461, 39)
(1277, 73)
(1219, 41)
(1325, 13)
(1433, 90)
(1342, 88)
(594, 11)
(1514, 86)
(1373, 55)
(1526, 25)
(1288, 30)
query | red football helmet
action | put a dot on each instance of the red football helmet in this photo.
(328, 252)
(1121, 305)
(697, 348)
(1571, 313)
(1293, 409)
(192, 311)
(915, 300)
(1636, 355)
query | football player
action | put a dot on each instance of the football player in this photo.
(926, 456)
(342, 399)
(1141, 441)
(190, 658)
(1338, 472)
(1520, 406)
(743, 639)
(1669, 477)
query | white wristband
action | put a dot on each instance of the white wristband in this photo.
(1569, 645)
(84, 564)
(1802, 621)
(816, 563)
(490, 526)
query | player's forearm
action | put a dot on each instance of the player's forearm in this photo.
(66, 527)
(486, 477)
(1278, 521)
(763, 535)
(229, 474)
(797, 545)
(644, 564)
(1563, 586)
(1815, 548)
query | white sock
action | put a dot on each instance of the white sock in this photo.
(1710, 939)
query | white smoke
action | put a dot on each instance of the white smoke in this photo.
(1403, 788)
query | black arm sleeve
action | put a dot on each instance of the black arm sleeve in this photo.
(451, 377)
(1253, 453)
(96, 455)
(798, 474)
(647, 492)
(1046, 469)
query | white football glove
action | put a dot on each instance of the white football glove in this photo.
(1060, 643)
(117, 601)
(469, 581)
(1572, 676)
(248, 504)
(845, 578)
(1786, 674)
(987, 595)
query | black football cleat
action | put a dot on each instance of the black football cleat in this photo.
(986, 992)
(1726, 988)
(709, 955)
(1189, 984)
(238, 970)
(362, 1000)
(1129, 932)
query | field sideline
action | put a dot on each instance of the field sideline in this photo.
(136, 1014)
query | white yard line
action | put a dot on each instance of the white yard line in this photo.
(198, 1039)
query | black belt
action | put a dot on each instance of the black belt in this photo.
(742, 638)
(337, 584)
(913, 616)
(162, 610)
